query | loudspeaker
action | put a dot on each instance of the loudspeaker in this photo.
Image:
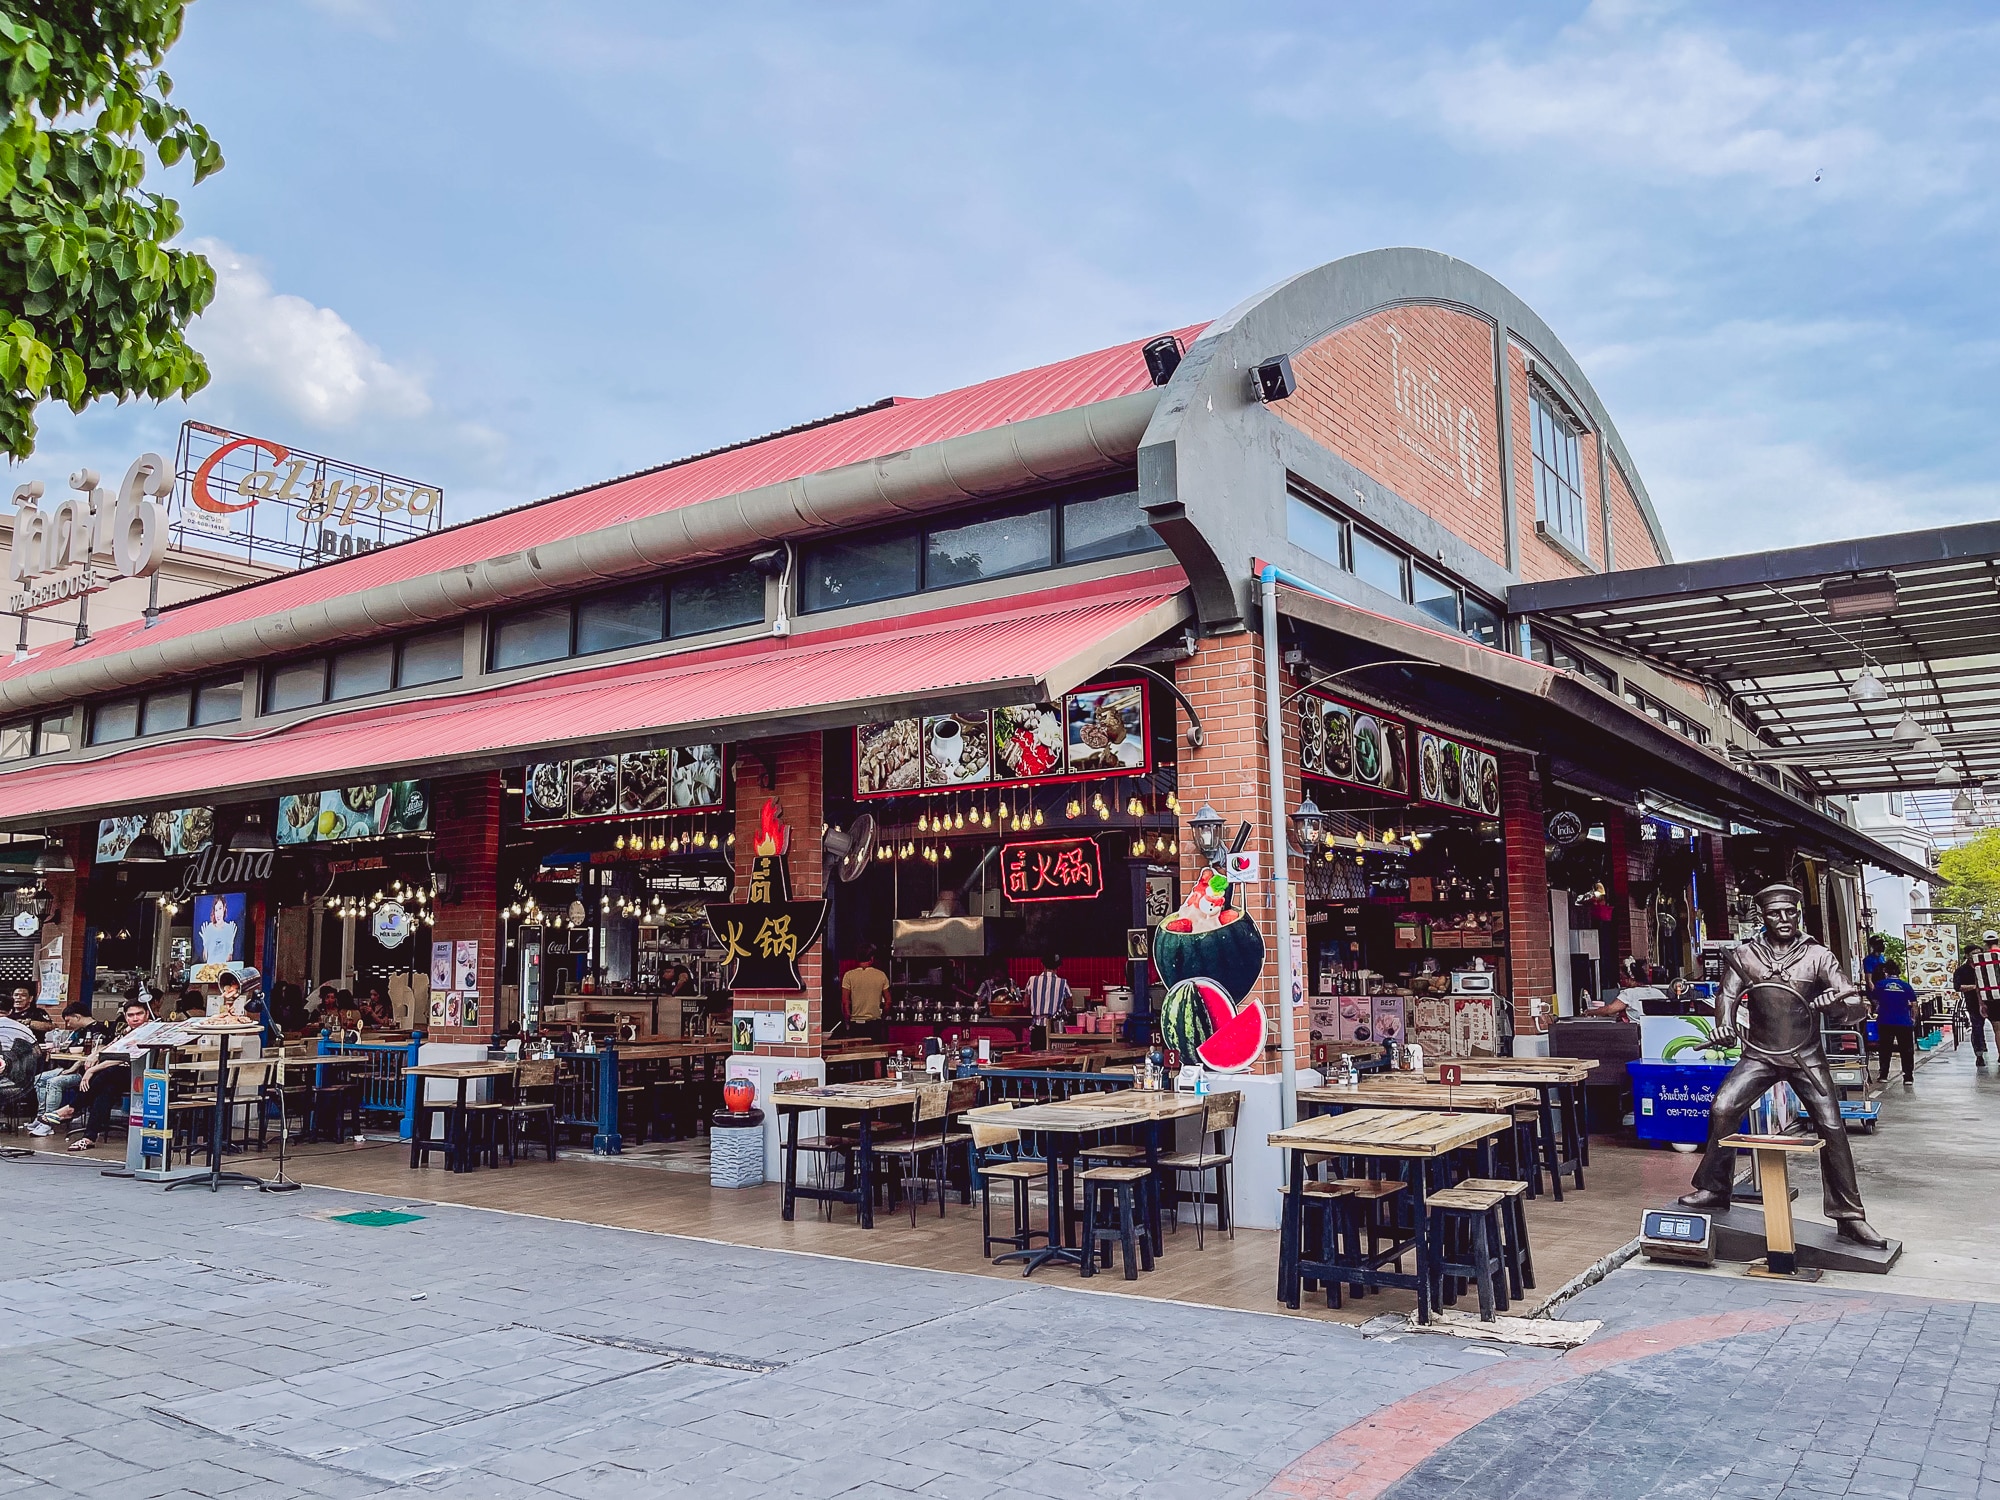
(1273, 380)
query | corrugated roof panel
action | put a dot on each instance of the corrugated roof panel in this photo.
(923, 658)
(1081, 381)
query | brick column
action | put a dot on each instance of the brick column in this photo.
(69, 929)
(1224, 680)
(1530, 936)
(799, 765)
(465, 813)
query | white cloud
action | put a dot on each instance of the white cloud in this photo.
(285, 349)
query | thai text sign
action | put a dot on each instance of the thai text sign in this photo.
(1051, 870)
(88, 538)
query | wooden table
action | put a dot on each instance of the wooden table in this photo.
(1774, 1177)
(464, 1072)
(1402, 1091)
(1558, 1081)
(1059, 1128)
(870, 1052)
(1419, 1137)
(862, 1099)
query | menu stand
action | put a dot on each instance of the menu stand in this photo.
(281, 1183)
(218, 1132)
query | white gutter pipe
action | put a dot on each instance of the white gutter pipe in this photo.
(1281, 851)
(1000, 460)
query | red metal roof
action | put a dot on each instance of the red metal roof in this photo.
(1059, 637)
(1081, 381)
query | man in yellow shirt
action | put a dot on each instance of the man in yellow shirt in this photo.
(861, 990)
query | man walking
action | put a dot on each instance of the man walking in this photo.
(1896, 1019)
(1965, 979)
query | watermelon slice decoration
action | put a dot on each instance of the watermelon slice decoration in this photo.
(1199, 1019)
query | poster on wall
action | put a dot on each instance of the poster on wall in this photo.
(1452, 773)
(354, 812)
(687, 778)
(1095, 731)
(441, 974)
(1353, 745)
(465, 964)
(180, 830)
(1930, 954)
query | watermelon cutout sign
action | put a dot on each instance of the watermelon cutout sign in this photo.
(1199, 1019)
(1231, 954)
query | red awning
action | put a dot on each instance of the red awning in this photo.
(1021, 649)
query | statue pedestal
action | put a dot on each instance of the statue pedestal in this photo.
(1739, 1236)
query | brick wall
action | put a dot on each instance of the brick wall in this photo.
(1406, 395)
(465, 813)
(799, 763)
(1631, 540)
(1530, 938)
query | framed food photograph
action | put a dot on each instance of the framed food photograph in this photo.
(1027, 741)
(697, 776)
(1358, 747)
(1106, 729)
(958, 749)
(645, 781)
(888, 758)
(1312, 735)
(546, 796)
(1453, 774)
(593, 787)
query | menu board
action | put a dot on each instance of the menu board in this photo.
(354, 812)
(1095, 731)
(645, 783)
(1352, 745)
(1930, 953)
(1451, 773)
(183, 830)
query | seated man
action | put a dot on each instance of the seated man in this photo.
(75, 1031)
(105, 1079)
(29, 1014)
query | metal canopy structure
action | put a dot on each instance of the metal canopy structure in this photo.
(1802, 637)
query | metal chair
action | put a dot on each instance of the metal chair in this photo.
(930, 1121)
(1218, 1124)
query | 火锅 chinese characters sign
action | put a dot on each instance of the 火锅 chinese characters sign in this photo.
(766, 933)
(1051, 870)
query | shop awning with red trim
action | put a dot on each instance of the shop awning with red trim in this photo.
(1027, 648)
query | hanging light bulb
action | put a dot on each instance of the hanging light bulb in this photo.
(1038, 817)
(923, 822)
(947, 851)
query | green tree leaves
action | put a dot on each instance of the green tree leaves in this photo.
(1971, 875)
(92, 301)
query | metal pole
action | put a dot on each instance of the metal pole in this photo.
(1281, 851)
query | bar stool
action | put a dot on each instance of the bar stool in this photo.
(996, 1158)
(1372, 1208)
(1526, 1139)
(1513, 1231)
(1123, 1186)
(1463, 1221)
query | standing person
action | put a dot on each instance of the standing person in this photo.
(1896, 1019)
(1986, 976)
(1965, 979)
(861, 990)
(1048, 991)
(1871, 965)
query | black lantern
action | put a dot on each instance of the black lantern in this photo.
(1207, 826)
(1308, 824)
(145, 850)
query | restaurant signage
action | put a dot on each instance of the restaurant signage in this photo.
(1051, 870)
(645, 783)
(1353, 746)
(766, 933)
(214, 866)
(354, 812)
(1563, 827)
(1452, 773)
(1096, 731)
(179, 830)
(270, 502)
(78, 545)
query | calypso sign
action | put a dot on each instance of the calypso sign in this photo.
(89, 528)
(320, 500)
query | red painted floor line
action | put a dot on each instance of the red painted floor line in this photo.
(1362, 1461)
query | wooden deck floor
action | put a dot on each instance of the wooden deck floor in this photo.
(1240, 1273)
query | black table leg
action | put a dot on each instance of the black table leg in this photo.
(1427, 1257)
(1291, 1218)
(866, 1211)
(1152, 1205)
(791, 1149)
(1549, 1151)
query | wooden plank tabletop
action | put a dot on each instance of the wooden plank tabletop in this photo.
(1151, 1104)
(490, 1069)
(862, 1096)
(1775, 1142)
(1514, 1070)
(1554, 1065)
(1400, 1091)
(1071, 1119)
(1390, 1132)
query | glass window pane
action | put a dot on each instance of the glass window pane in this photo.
(364, 670)
(1482, 622)
(437, 657)
(52, 735)
(1374, 563)
(299, 685)
(987, 549)
(167, 711)
(840, 573)
(219, 702)
(1314, 530)
(1435, 597)
(715, 599)
(533, 635)
(625, 617)
(17, 741)
(111, 722)
(1110, 527)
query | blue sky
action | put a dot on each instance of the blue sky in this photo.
(512, 247)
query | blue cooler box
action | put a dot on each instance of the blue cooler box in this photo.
(1670, 1100)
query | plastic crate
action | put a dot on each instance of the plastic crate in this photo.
(1670, 1100)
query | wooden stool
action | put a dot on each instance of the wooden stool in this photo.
(1371, 1195)
(1513, 1231)
(1322, 1219)
(1780, 1249)
(1470, 1211)
(1123, 1185)
(1527, 1143)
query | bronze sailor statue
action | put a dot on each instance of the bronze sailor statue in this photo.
(1785, 979)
